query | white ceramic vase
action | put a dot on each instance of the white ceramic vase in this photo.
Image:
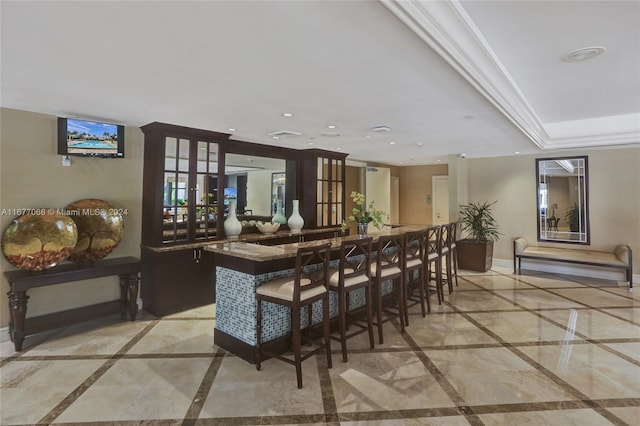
(232, 226)
(279, 217)
(295, 222)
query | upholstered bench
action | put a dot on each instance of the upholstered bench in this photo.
(620, 258)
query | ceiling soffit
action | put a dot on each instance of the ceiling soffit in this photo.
(448, 30)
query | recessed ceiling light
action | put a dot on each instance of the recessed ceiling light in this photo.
(438, 161)
(583, 54)
(367, 136)
(287, 114)
(331, 126)
(392, 143)
(419, 144)
(231, 129)
(275, 137)
(310, 143)
(516, 152)
(339, 149)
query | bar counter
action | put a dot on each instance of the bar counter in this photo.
(242, 266)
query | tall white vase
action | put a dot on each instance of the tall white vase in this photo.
(295, 222)
(232, 226)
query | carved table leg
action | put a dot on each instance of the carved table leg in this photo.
(129, 295)
(133, 296)
(18, 311)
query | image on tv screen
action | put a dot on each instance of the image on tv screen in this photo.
(230, 194)
(87, 137)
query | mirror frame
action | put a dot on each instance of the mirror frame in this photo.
(539, 214)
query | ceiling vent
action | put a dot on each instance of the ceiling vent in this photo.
(382, 129)
(330, 134)
(281, 133)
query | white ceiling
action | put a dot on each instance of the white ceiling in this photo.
(484, 78)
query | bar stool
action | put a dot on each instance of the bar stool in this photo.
(354, 272)
(414, 253)
(453, 249)
(388, 267)
(308, 284)
(434, 261)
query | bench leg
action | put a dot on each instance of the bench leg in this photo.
(18, 312)
(129, 295)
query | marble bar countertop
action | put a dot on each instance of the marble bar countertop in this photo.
(261, 253)
(249, 237)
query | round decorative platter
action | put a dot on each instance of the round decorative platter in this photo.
(39, 240)
(100, 229)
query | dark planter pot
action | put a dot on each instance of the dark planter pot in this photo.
(474, 255)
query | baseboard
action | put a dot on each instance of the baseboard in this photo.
(4, 334)
(570, 269)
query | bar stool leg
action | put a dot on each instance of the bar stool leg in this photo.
(297, 342)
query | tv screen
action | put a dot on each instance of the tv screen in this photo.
(90, 138)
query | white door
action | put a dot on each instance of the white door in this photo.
(395, 200)
(378, 190)
(440, 186)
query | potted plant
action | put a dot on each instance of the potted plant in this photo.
(572, 217)
(476, 251)
(363, 216)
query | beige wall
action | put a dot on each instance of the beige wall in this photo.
(32, 176)
(415, 186)
(614, 198)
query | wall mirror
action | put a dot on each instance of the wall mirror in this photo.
(562, 199)
(249, 180)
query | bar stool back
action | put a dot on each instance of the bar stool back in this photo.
(414, 252)
(354, 272)
(434, 261)
(453, 249)
(388, 266)
(308, 285)
(445, 255)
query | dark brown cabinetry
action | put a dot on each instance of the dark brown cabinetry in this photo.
(323, 175)
(177, 279)
(179, 206)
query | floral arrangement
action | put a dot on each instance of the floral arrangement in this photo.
(364, 216)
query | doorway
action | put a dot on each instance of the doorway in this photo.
(440, 187)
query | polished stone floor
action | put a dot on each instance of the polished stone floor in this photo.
(534, 349)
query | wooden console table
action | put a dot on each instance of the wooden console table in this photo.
(127, 268)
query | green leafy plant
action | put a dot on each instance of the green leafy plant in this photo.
(362, 215)
(477, 220)
(572, 217)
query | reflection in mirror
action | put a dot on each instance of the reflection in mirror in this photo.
(278, 181)
(252, 177)
(562, 192)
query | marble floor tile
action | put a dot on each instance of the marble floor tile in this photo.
(537, 299)
(629, 415)
(177, 336)
(522, 327)
(590, 369)
(90, 338)
(420, 421)
(30, 389)
(501, 282)
(479, 301)
(139, 389)
(596, 298)
(241, 391)
(628, 314)
(594, 324)
(632, 349)
(445, 330)
(385, 382)
(582, 417)
(495, 376)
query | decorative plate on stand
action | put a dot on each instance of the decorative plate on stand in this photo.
(100, 229)
(39, 240)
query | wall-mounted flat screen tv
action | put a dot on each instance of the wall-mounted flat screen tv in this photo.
(90, 138)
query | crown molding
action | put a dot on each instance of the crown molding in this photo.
(449, 31)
